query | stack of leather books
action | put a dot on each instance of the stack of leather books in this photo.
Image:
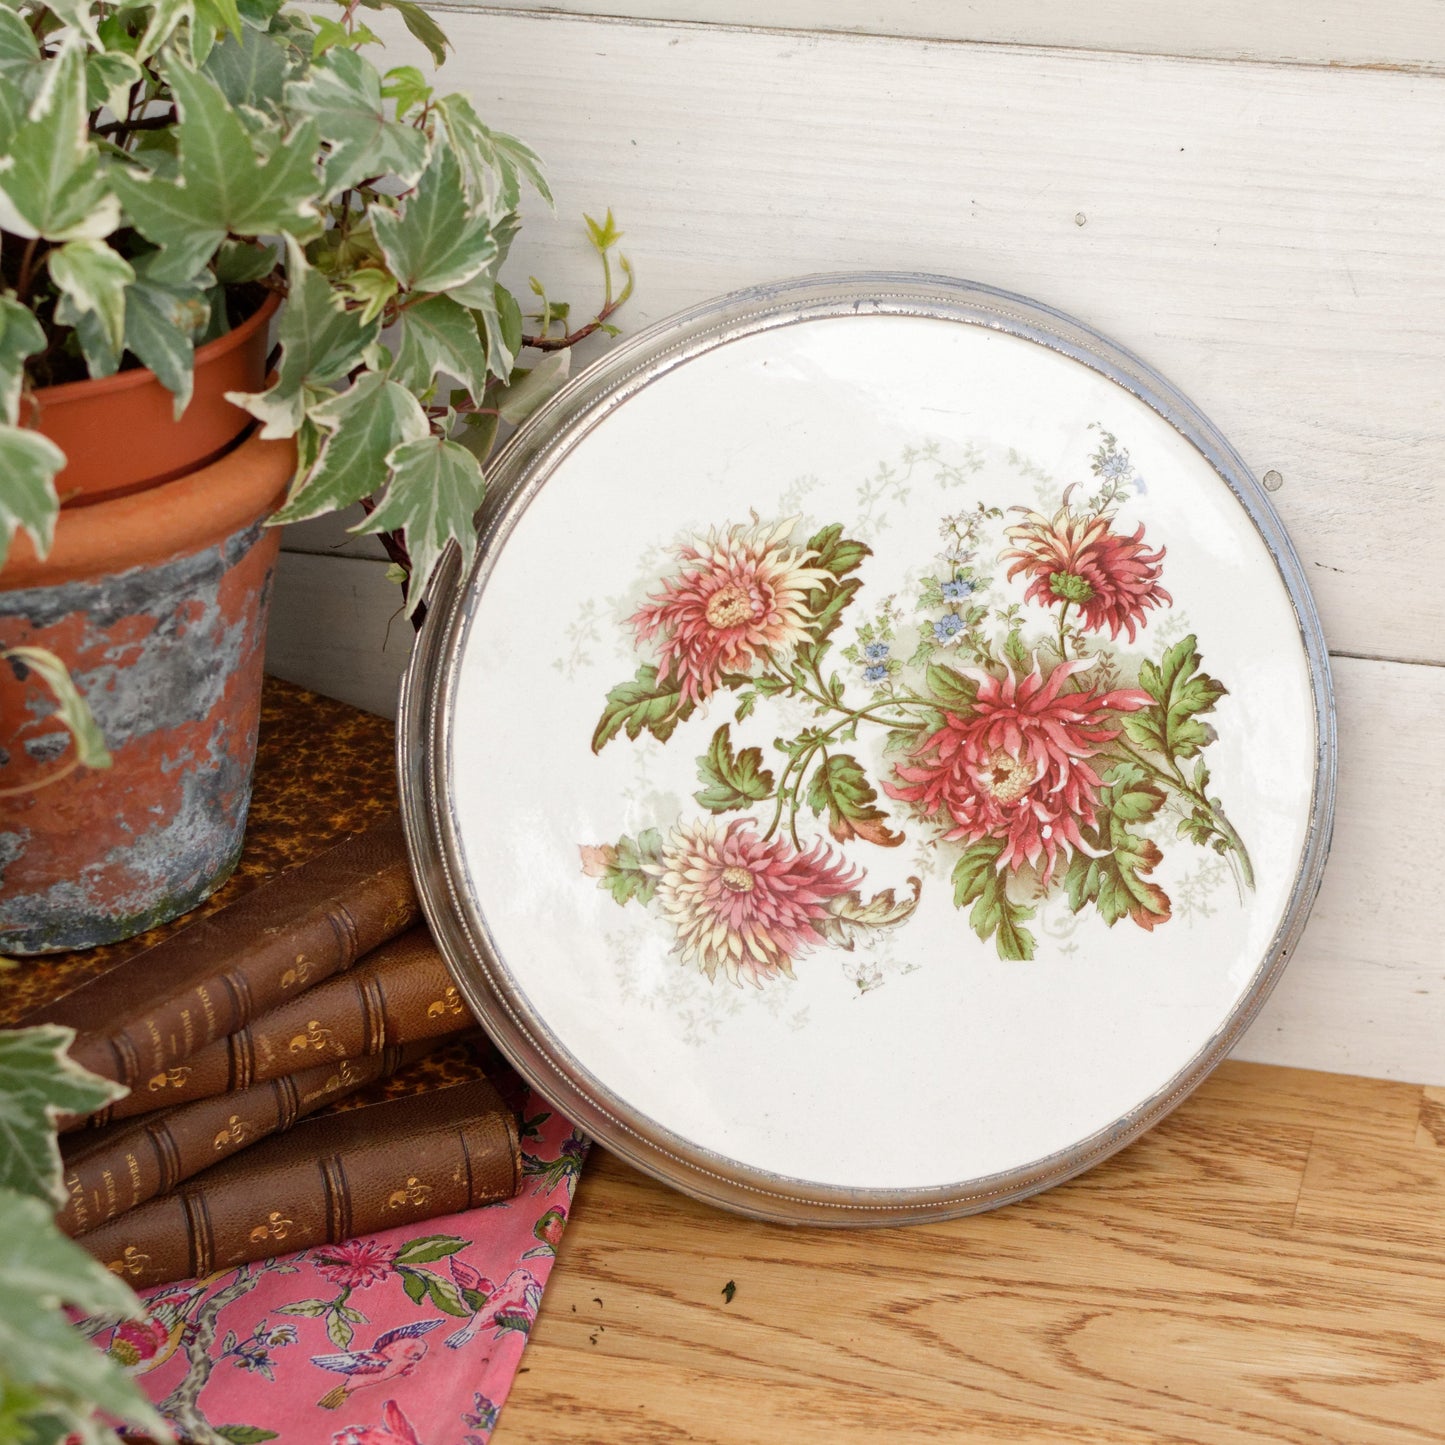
(301, 1070)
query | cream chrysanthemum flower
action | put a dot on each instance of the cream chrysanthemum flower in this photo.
(741, 594)
(742, 904)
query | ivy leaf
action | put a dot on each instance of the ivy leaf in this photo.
(499, 319)
(72, 710)
(530, 389)
(364, 424)
(19, 50)
(343, 93)
(21, 336)
(28, 463)
(406, 87)
(109, 75)
(849, 919)
(240, 261)
(604, 235)
(439, 334)
(977, 879)
(645, 704)
(437, 242)
(429, 1247)
(162, 320)
(41, 1270)
(320, 342)
(250, 69)
(952, 691)
(92, 280)
(620, 869)
(493, 162)
(421, 25)
(1181, 693)
(435, 489)
(841, 786)
(732, 781)
(1115, 883)
(51, 183)
(38, 1083)
(223, 186)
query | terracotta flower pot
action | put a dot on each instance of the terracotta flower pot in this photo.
(85, 419)
(156, 601)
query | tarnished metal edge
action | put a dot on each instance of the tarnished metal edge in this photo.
(428, 693)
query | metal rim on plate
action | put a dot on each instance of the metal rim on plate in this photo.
(428, 692)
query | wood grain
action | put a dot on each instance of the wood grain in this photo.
(1408, 36)
(1242, 1273)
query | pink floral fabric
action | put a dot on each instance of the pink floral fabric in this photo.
(410, 1336)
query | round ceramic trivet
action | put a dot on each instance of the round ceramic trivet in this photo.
(881, 756)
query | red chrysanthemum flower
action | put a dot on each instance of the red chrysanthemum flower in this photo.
(1017, 768)
(356, 1264)
(1110, 579)
(742, 904)
(740, 594)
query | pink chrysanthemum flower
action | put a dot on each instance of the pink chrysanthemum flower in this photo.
(357, 1264)
(1017, 767)
(1110, 579)
(742, 904)
(741, 594)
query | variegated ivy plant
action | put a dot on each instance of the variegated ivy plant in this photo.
(158, 157)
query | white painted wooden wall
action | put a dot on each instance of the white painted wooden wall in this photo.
(1252, 197)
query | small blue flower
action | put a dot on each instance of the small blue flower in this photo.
(1114, 465)
(876, 651)
(947, 627)
(876, 673)
(956, 590)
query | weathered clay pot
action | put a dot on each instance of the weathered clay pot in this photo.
(120, 433)
(157, 603)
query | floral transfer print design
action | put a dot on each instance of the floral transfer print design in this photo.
(1025, 740)
(395, 1337)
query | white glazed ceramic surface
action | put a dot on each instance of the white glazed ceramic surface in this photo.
(903, 1051)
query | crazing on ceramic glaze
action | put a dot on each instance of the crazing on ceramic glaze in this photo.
(1028, 740)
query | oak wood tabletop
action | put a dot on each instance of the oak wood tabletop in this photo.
(1266, 1265)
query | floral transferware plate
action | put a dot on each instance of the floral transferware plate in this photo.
(881, 756)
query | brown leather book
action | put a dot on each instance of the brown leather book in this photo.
(111, 1170)
(329, 1179)
(210, 979)
(401, 993)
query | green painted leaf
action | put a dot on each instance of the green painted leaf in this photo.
(1182, 694)
(437, 242)
(1115, 882)
(343, 93)
(849, 919)
(364, 424)
(311, 1309)
(841, 786)
(28, 463)
(414, 1283)
(645, 704)
(435, 490)
(445, 1297)
(530, 390)
(833, 551)
(92, 279)
(244, 1434)
(621, 869)
(339, 1330)
(51, 183)
(732, 780)
(429, 1247)
(223, 185)
(21, 336)
(438, 335)
(38, 1082)
(977, 879)
(320, 342)
(951, 689)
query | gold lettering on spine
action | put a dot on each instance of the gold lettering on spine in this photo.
(207, 1007)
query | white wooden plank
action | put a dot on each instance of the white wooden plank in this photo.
(1409, 34)
(1364, 994)
(336, 628)
(1267, 236)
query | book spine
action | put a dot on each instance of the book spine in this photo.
(274, 1199)
(113, 1171)
(401, 994)
(210, 979)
